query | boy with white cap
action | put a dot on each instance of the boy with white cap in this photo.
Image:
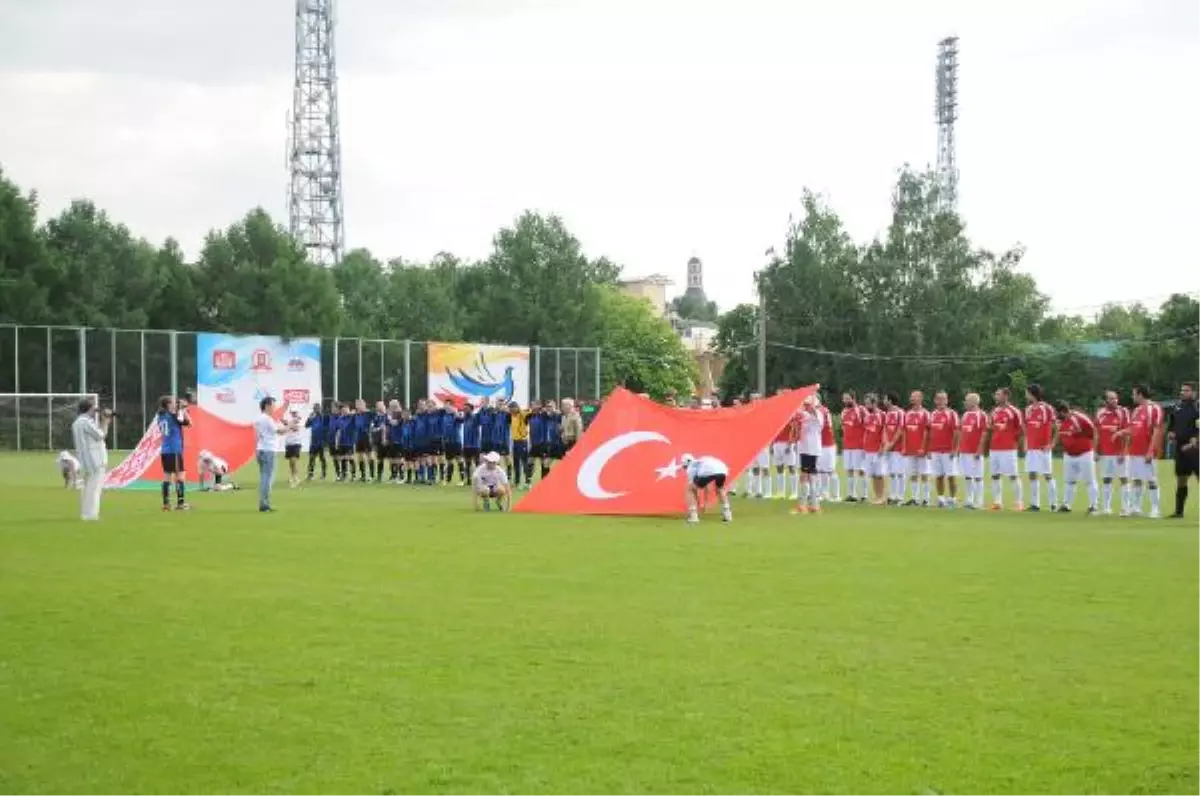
(490, 481)
(68, 466)
(216, 468)
(700, 473)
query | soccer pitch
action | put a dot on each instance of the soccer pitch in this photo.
(385, 639)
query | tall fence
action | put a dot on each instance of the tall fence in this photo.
(131, 368)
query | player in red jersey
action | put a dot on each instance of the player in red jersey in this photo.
(1077, 433)
(1112, 446)
(974, 427)
(1145, 434)
(852, 448)
(1003, 446)
(916, 448)
(1039, 447)
(943, 442)
(783, 454)
(893, 448)
(827, 481)
(874, 459)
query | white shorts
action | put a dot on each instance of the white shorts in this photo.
(852, 461)
(1003, 463)
(895, 463)
(1079, 468)
(783, 454)
(916, 465)
(827, 461)
(1142, 470)
(972, 466)
(943, 464)
(763, 459)
(1114, 467)
(1038, 463)
(875, 464)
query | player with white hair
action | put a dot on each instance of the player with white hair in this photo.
(214, 468)
(701, 473)
(490, 482)
(809, 448)
(68, 466)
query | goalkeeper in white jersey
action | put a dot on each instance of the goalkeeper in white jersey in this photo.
(701, 472)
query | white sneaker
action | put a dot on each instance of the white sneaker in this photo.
(727, 516)
(1154, 515)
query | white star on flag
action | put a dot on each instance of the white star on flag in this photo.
(668, 470)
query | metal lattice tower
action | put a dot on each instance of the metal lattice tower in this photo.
(947, 115)
(314, 142)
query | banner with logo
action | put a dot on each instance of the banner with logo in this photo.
(461, 372)
(628, 461)
(234, 372)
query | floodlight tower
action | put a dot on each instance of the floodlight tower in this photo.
(314, 142)
(947, 115)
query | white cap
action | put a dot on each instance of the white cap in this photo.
(686, 459)
(492, 457)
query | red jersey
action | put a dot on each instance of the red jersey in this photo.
(1110, 421)
(974, 424)
(787, 434)
(893, 424)
(872, 430)
(1039, 426)
(1077, 433)
(1145, 419)
(942, 425)
(852, 428)
(1006, 428)
(827, 440)
(916, 423)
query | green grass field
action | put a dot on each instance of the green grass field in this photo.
(384, 639)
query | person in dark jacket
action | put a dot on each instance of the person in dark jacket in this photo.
(1182, 435)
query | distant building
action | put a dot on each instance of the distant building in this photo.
(695, 278)
(652, 288)
(697, 335)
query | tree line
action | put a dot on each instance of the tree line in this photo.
(922, 308)
(537, 287)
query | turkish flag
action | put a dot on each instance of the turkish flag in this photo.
(628, 462)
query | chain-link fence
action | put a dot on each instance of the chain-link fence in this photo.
(129, 369)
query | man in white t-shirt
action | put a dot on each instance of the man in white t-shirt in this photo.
(808, 445)
(701, 473)
(490, 482)
(68, 467)
(215, 469)
(266, 431)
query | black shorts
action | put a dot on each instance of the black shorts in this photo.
(362, 445)
(471, 454)
(557, 450)
(487, 447)
(808, 463)
(383, 450)
(537, 451)
(316, 449)
(171, 463)
(1187, 464)
(434, 447)
(345, 450)
(703, 481)
(567, 447)
(291, 451)
(453, 450)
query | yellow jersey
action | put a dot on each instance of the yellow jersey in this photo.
(520, 425)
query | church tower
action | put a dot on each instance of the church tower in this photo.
(695, 278)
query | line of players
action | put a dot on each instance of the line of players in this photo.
(438, 444)
(888, 450)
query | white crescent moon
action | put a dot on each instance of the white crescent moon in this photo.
(588, 479)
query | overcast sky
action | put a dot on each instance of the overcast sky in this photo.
(658, 129)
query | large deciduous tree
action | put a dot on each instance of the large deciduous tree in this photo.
(639, 349)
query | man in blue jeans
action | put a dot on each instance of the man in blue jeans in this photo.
(266, 430)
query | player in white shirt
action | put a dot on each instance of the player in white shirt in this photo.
(760, 468)
(701, 472)
(215, 469)
(293, 442)
(808, 446)
(68, 466)
(490, 482)
(827, 481)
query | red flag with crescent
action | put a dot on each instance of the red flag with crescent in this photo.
(628, 462)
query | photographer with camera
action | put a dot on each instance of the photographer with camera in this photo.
(89, 432)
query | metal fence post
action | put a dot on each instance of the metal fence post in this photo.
(49, 388)
(174, 364)
(537, 373)
(336, 393)
(17, 378)
(597, 396)
(557, 374)
(142, 371)
(360, 389)
(113, 365)
(83, 382)
(382, 386)
(407, 374)
(575, 385)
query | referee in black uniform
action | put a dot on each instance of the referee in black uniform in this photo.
(1183, 431)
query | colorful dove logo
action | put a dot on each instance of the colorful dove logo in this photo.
(481, 383)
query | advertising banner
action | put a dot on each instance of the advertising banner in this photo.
(461, 372)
